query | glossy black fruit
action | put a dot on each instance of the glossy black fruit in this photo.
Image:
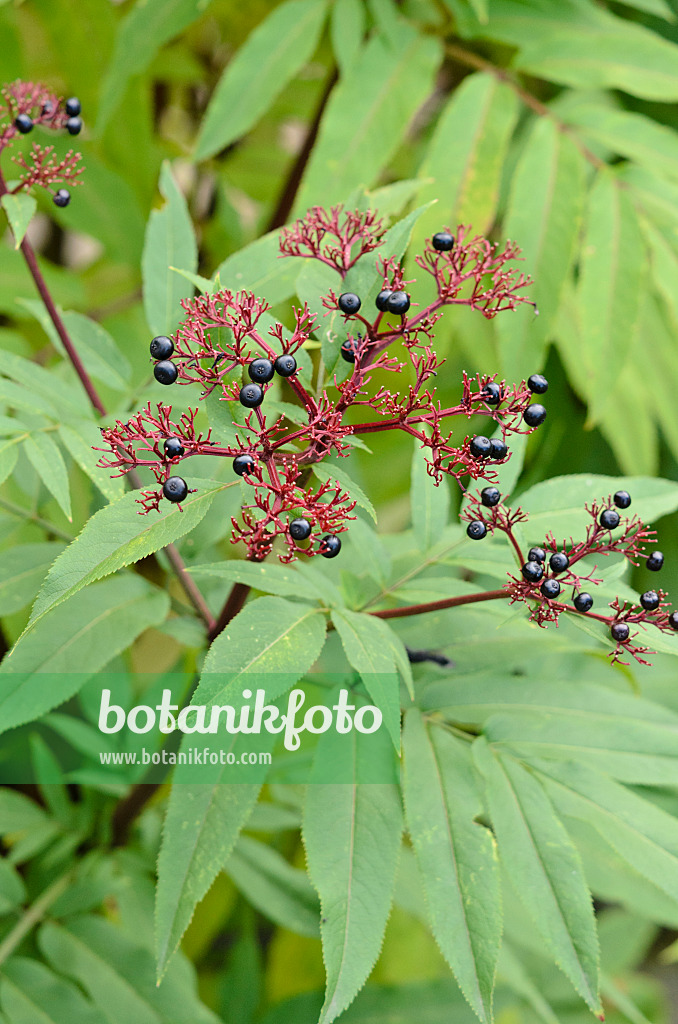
(285, 365)
(161, 347)
(622, 499)
(398, 303)
(23, 123)
(61, 197)
(73, 106)
(381, 301)
(559, 562)
(175, 489)
(534, 415)
(498, 449)
(583, 602)
(649, 600)
(491, 393)
(165, 372)
(532, 571)
(251, 395)
(330, 546)
(349, 303)
(300, 529)
(619, 632)
(673, 621)
(173, 448)
(490, 496)
(537, 384)
(74, 125)
(655, 561)
(550, 589)
(261, 371)
(348, 350)
(242, 464)
(443, 241)
(536, 555)
(476, 530)
(480, 447)
(609, 519)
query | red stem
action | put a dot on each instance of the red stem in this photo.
(434, 606)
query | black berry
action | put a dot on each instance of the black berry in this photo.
(348, 350)
(537, 384)
(583, 602)
(23, 123)
(490, 496)
(330, 546)
(534, 415)
(165, 372)
(550, 589)
(480, 447)
(285, 365)
(62, 197)
(476, 530)
(622, 499)
(498, 449)
(162, 347)
(673, 621)
(443, 241)
(243, 464)
(398, 303)
(491, 393)
(47, 109)
(620, 632)
(300, 529)
(536, 555)
(173, 448)
(381, 301)
(655, 561)
(73, 106)
(175, 489)
(532, 571)
(251, 395)
(349, 303)
(609, 519)
(261, 370)
(74, 125)
(649, 600)
(559, 562)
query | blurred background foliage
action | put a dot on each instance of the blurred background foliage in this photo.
(552, 123)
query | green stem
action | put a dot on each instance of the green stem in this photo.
(34, 915)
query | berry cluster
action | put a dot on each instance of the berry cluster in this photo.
(549, 570)
(226, 334)
(25, 106)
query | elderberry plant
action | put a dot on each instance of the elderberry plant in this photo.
(225, 335)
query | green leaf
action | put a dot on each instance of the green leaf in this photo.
(465, 156)
(352, 836)
(80, 437)
(19, 209)
(430, 503)
(558, 504)
(48, 462)
(544, 216)
(610, 286)
(280, 892)
(148, 26)
(18, 813)
(8, 456)
(169, 243)
(456, 856)
(347, 29)
(368, 115)
(38, 394)
(115, 537)
(273, 54)
(31, 994)
(282, 580)
(635, 136)
(72, 641)
(369, 649)
(259, 268)
(117, 974)
(657, 7)
(22, 570)
(331, 472)
(544, 867)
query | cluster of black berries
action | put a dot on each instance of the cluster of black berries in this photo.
(387, 301)
(260, 372)
(24, 124)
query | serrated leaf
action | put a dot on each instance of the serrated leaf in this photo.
(352, 838)
(259, 268)
(628, 134)
(332, 472)
(169, 243)
(466, 153)
(115, 537)
(80, 437)
(281, 580)
(544, 867)
(367, 116)
(279, 891)
(19, 209)
(544, 215)
(456, 856)
(22, 569)
(430, 503)
(367, 643)
(48, 462)
(32, 994)
(72, 641)
(273, 54)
